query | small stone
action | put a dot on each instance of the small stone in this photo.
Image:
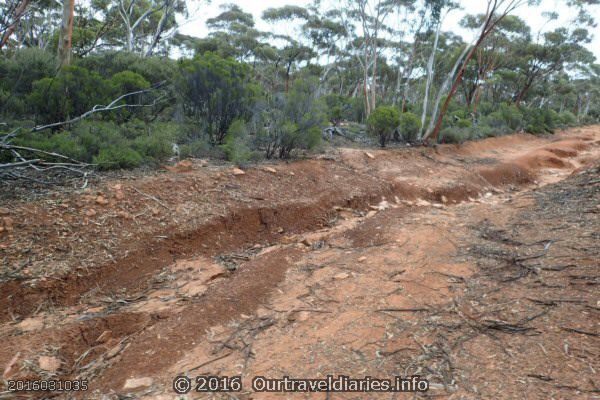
(280, 230)
(383, 205)
(271, 170)
(4, 211)
(371, 156)
(306, 242)
(154, 211)
(361, 259)
(423, 203)
(50, 364)
(30, 324)
(292, 174)
(90, 213)
(101, 201)
(444, 199)
(488, 195)
(237, 171)
(138, 383)
(124, 215)
(341, 275)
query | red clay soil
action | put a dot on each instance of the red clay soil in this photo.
(153, 276)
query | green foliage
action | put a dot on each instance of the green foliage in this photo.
(567, 118)
(114, 157)
(152, 69)
(108, 144)
(215, 91)
(338, 108)
(382, 123)
(464, 123)
(506, 119)
(127, 82)
(290, 121)
(25, 67)
(541, 121)
(456, 135)
(72, 92)
(17, 75)
(236, 146)
(409, 126)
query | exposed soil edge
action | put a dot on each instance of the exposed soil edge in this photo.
(242, 227)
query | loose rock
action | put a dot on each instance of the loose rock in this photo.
(137, 383)
(50, 364)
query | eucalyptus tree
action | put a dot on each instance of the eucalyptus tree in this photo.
(495, 52)
(234, 29)
(496, 11)
(11, 13)
(560, 48)
(147, 22)
(293, 50)
(369, 16)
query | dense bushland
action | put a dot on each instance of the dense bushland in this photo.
(240, 95)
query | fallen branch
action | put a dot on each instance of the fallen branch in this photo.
(102, 108)
(152, 198)
(565, 328)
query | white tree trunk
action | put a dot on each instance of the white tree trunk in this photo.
(430, 73)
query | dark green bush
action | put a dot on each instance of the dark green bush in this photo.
(456, 135)
(236, 145)
(114, 157)
(289, 121)
(409, 126)
(153, 69)
(541, 121)
(567, 119)
(464, 123)
(215, 92)
(26, 66)
(382, 122)
(72, 92)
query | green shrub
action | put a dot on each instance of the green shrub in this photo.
(117, 157)
(409, 126)
(236, 143)
(382, 122)
(215, 92)
(456, 135)
(27, 66)
(483, 131)
(153, 69)
(464, 123)
(541, 120)
(154, 147)
(506, 119)
(567, 118)
(62, 143)
(512, 116)
(126, 82)
(285, 122)
(72, 92)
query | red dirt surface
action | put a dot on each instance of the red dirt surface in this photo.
(353, 263)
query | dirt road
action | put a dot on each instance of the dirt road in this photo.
(473, 266)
